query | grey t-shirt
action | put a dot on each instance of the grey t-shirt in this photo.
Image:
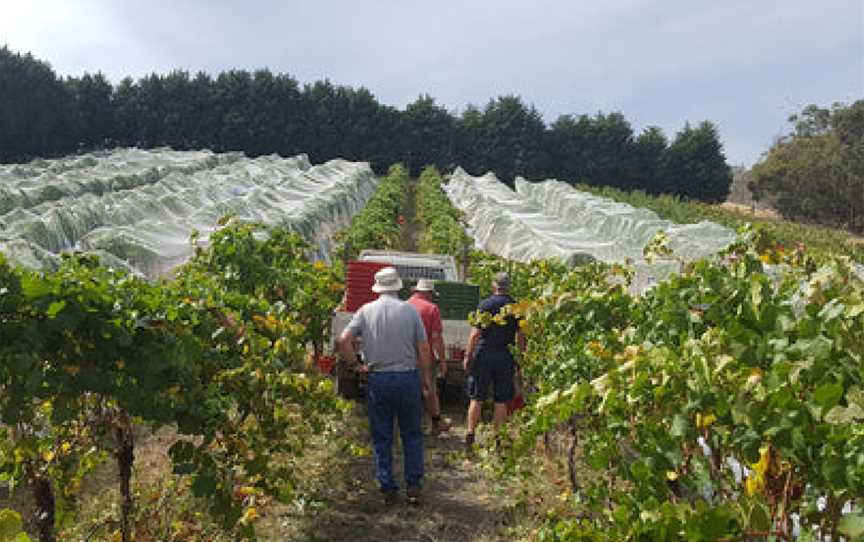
(389, 330)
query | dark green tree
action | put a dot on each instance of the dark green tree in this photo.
(177, 111)
(469, 150)
(153, 113)
(359, 124)
(203, 123)
(646, 161)
(37, 111)
(232, 95)
(323, 105)
(94, 109)
(128, 114)
(261, 113)
(566, 145)
(511, 139)
(597, 150)
(389, 145)
(429, 132)
(275, 117)
(695, 167)
(609, 150)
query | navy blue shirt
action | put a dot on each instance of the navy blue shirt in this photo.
(497, 337)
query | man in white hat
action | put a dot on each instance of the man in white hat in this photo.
(424, 301)
(392, 341)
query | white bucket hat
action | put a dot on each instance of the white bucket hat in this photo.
(425, 285)
(387, 280)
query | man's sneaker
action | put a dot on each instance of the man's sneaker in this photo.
(391, 496)
(413, 494)
(469, 441)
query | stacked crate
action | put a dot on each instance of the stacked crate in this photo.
(457, 299)
(359, 280)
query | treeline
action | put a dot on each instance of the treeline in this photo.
(816, 173)
(262, 113)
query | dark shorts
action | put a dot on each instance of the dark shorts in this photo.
(492, 369)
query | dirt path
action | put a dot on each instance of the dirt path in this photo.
(747, 210)
(460, 500)
(411, 227)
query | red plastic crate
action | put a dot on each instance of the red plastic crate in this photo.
(359, 280)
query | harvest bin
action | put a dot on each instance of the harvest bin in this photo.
(456, 300)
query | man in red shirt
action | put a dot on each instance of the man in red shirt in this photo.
(422, 300)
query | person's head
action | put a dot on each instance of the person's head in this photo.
(426, 288)
(501, 283)
(387, 281)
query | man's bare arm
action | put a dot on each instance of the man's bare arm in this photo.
(436, 342)
(425, 355)
(346, 347)
(472, 345)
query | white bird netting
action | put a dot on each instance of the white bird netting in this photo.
(552, 219)
(137, 208)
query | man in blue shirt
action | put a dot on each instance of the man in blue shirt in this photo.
(393, 340)
(488, 360)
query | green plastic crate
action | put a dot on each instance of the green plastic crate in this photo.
(455, 299)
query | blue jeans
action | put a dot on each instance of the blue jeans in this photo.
(396, 394)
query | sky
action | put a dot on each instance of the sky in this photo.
(745, 65)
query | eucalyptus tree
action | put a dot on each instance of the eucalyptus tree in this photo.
(816, 173)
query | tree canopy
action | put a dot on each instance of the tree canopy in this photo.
(816, 173)
(262, 113)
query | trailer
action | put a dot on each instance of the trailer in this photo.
(456, 299)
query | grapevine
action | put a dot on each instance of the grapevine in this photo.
(721, 404)
(217, 351)
(443, 224)
(376, 226)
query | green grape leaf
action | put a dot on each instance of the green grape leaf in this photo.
(11, 526)
(828, 395)
(852, 525)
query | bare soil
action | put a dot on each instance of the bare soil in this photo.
(460, 500)
(747, 210)
(411, 228)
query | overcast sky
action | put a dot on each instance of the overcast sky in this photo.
(743, 64)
